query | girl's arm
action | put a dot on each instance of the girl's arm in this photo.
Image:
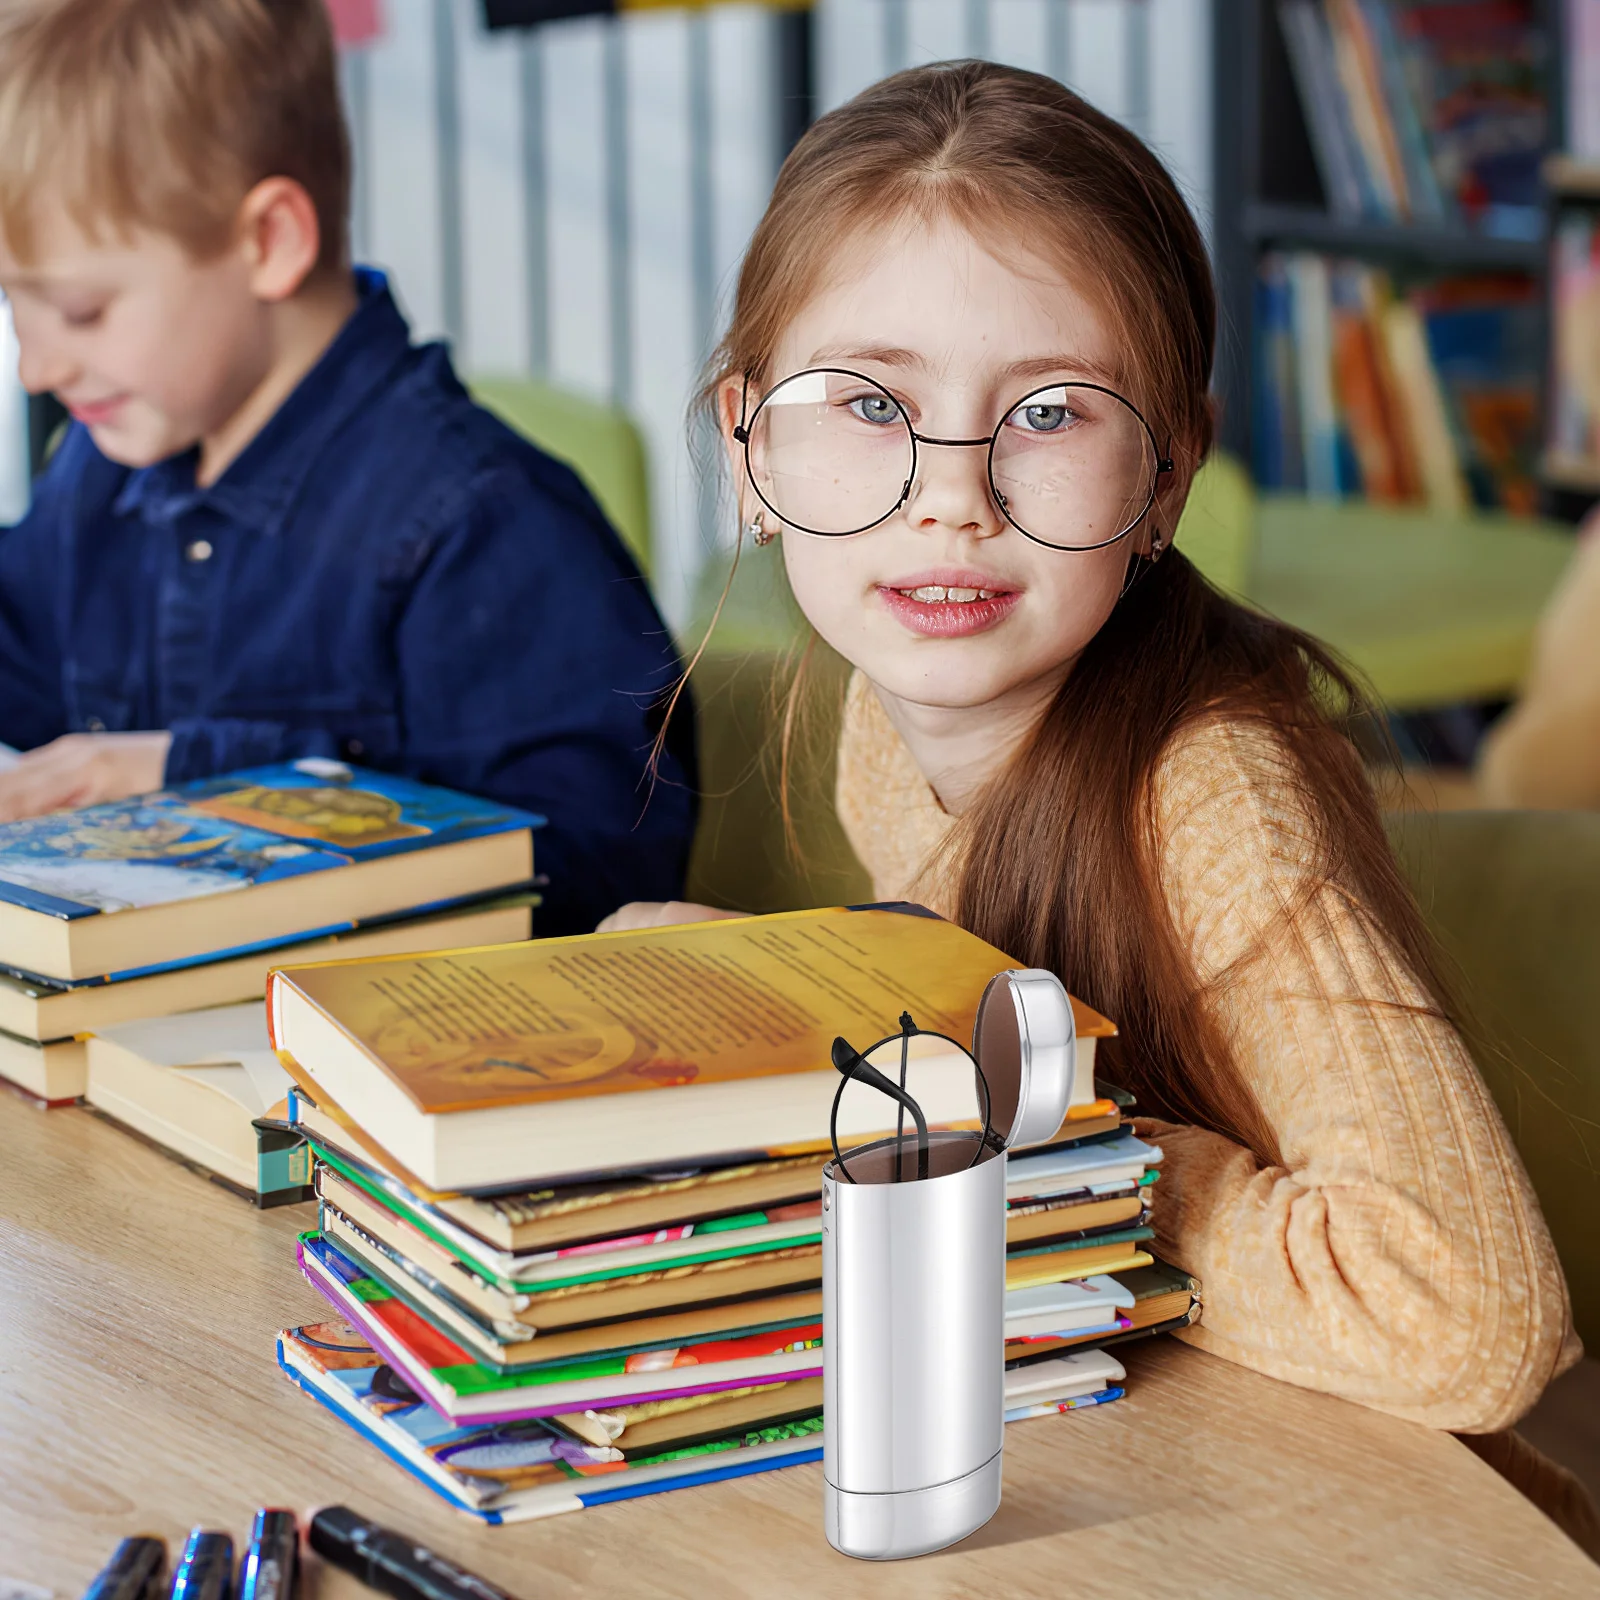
(662, 914)
(1396, 1256)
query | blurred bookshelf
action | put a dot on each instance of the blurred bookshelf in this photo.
(1396, 251)
(1570, 464)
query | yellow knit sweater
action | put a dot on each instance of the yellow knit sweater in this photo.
(1397, 1257)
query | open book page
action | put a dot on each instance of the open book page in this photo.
(713, 1001)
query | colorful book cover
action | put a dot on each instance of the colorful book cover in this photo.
(511, 1471)
(516, 1471)
(224, 834)
(456, 1385)
(1279, 458)
(662, 1249)
(711, 1002)
(1073, 1166)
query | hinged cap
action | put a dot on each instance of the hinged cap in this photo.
(1026, 1042)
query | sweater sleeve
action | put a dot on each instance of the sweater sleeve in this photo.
(1397, 1256)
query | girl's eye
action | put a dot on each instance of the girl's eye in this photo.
(876, 408)
(85, 318)
(1044, 419)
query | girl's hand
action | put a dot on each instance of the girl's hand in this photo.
(661, 914)
(83, 769)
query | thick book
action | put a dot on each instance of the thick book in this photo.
(274, 854)
(662, 1046)
(52, 1072)
(194, 1084)
(48, 1009)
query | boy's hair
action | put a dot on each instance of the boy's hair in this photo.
(165, 113)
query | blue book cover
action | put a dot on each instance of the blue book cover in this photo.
(224, 834)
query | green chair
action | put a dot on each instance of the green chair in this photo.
(744, 858)
(598, 442)
(1217, 530)
(1514, 898)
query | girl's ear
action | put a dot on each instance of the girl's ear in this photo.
(1172, 491)
(730, 402)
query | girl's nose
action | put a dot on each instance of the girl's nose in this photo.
(952, 490)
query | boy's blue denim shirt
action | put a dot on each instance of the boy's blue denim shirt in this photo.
(386, 575)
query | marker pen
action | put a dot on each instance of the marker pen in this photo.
(137, 1570)
(392, 1563)
(271, 1560)
(205, 1569)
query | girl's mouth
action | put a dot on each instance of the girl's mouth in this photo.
(948, 610)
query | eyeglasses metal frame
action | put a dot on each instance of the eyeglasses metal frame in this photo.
(742, 431)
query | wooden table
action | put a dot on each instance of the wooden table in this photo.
(138, 1392)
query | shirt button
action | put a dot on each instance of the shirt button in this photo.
(95, 725)
(200, 550)
(354, 747)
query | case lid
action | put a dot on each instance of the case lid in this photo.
(1026, 1042)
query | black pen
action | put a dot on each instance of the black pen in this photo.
(391, 1562)
(205, 1569)
(137, 1570)
(271, 1560)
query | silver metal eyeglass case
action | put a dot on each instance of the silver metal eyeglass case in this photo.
(913, 1295)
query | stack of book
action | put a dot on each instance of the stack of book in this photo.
(1428, 111)
(134, 934)
(569, 1194)
(1429, 396)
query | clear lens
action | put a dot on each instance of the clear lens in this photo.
(1073, 466)
(830, 452)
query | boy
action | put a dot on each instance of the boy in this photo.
(274, 528)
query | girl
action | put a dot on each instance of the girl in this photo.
(966, 385)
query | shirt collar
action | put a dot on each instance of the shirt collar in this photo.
(260, 486)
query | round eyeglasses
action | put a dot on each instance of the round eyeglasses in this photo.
(1072, 465)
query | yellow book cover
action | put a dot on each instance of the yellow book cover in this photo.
(593, 1014)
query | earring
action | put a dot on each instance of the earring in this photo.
(1157, 545)
(759, 533)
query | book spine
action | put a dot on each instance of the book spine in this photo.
(1311, 62)
(1395, 83)
(1319, 416)
(1423, 407)
(1366, 114)
(1360, 389)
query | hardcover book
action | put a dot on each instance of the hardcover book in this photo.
(478, 1067)
(272, 854)
(49, 1009)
